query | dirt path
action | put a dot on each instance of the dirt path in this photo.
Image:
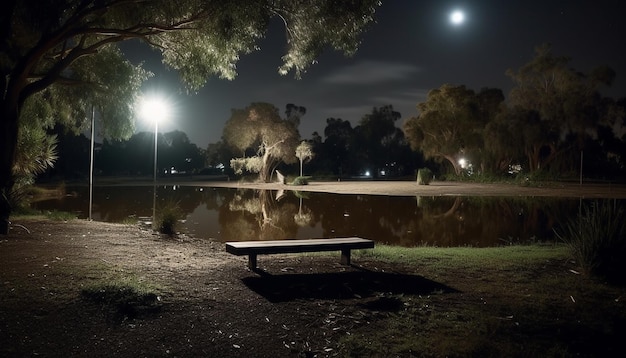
(410, 188)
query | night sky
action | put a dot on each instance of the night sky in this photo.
(412, 48)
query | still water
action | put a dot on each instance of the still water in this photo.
(229, 214)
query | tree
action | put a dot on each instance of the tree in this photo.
(37, 152)
(377, 137)
(566, 104)
(293, 113)
(447, 126)
(259, 126)
(339, 135)
(217, 155)
(63, 55)
(304, 152)
(490, 105)
(178, 152)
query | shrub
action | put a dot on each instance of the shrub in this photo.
(167, 218)
(424, 176)
(300, 181)
(597, 240)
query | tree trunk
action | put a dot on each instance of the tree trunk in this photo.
(8, 144)
(455, 164)
(264, 173)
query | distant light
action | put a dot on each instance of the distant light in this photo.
(457, 17)
(462, 163)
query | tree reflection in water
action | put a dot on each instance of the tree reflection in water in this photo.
(246, 214)
(258, 215)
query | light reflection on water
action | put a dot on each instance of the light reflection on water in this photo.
(246, 214)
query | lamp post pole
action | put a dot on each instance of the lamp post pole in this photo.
(154, 109)
(93, 115)
(156, 131)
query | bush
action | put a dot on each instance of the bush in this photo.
(167, 218)
(300, 181)
(597, 240)
(424, 176)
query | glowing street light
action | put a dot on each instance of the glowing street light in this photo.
(463, 163)
(155, 109)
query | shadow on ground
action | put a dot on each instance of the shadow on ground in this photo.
(340, 285)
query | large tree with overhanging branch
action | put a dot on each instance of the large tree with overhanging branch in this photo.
(259, 128)
(62, 55)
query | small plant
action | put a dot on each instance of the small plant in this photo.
(597, 240)
(424, 176)
(127, 297)
(60, 215)
(300, 181)
(167, 218)
(129, 220)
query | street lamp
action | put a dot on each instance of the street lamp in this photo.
(154, 109)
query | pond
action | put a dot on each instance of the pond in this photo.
(227, 214)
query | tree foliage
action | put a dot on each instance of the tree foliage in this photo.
(135, 156)
(304, 152)
(448, 124)
(260, 127)
(552, 113)
(63, 53)
(338, 143)
(556, 107)
(379, 143)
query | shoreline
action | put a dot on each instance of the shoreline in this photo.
(399, 188)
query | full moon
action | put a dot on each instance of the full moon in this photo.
(457, 17)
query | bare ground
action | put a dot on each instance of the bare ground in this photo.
(209, 304)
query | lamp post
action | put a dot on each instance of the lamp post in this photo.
(154, 109)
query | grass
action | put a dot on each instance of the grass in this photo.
(55, 215)
(506, 257)
(127, 296)
(597, 240)
(508, 299)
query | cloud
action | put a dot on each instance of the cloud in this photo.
(370, 72)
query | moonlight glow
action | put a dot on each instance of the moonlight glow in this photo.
(457, 17)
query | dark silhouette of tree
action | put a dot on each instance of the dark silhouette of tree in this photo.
(449, 125)
(376, 134)
(294, 113)
(563, 106)
(135, 156)
(338, 150)
(179, 153)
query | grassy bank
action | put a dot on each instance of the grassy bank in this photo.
(515, 301)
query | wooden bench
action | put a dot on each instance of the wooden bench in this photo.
(254, 248)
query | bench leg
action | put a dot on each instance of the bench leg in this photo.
(252, 262)
(345, 257)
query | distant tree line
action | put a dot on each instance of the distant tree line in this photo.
(554, 121)
(257, 140)
(132, 157)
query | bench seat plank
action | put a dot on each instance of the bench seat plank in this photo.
(254, 248)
